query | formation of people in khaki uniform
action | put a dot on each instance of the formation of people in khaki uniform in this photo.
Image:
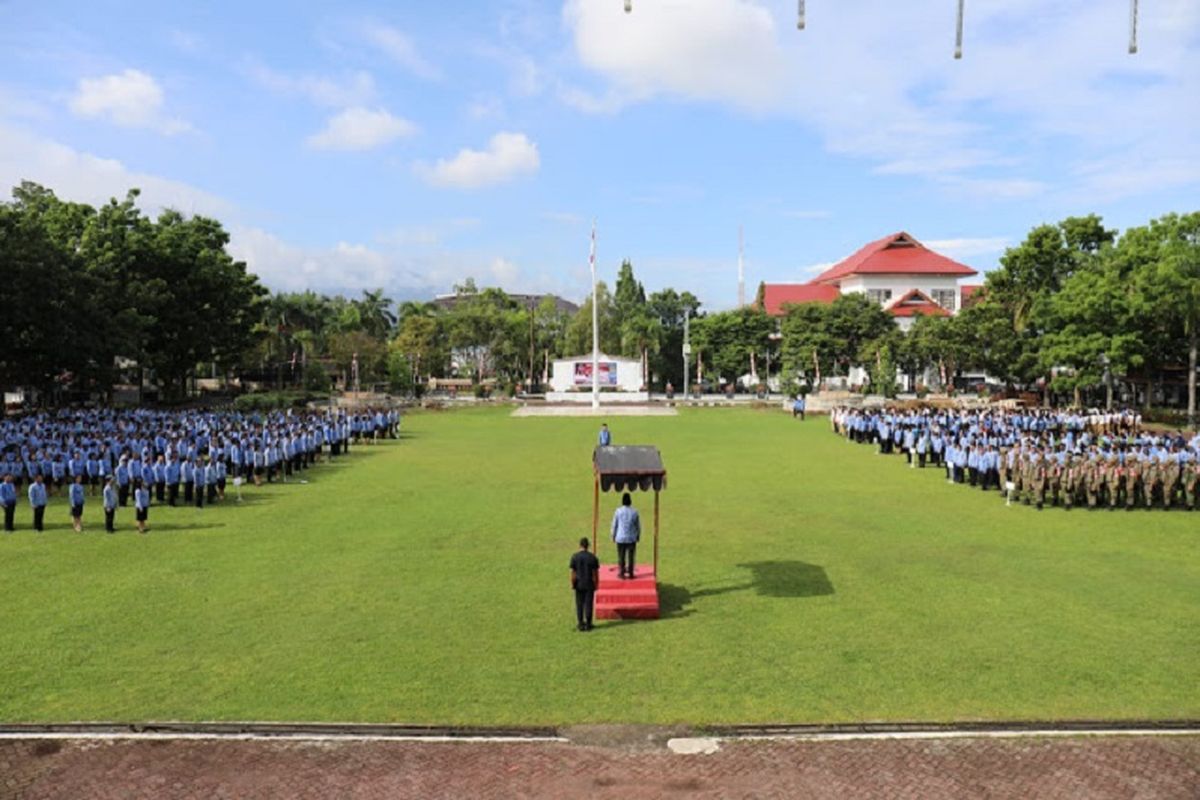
(1042, 457)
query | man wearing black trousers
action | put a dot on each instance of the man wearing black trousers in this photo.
(585, 576)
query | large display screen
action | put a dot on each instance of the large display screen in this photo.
(608, 373)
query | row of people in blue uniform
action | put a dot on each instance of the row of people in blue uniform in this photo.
(1037, 455)
(137, 454)
(94, 444)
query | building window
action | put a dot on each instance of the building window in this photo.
(880, 296)
(945, 298)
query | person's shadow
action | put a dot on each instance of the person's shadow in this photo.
(782, 579)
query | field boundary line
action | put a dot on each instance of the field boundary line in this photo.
(352, 732)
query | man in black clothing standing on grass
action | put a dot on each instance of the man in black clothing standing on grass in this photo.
(585, 576)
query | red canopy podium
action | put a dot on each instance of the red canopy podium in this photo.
(627, 468)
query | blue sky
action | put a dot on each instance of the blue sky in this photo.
(411, 145)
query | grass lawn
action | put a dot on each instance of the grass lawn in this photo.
(424, 581)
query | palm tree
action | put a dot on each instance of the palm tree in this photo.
(375, 313)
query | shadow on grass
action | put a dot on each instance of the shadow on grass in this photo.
(789, 579)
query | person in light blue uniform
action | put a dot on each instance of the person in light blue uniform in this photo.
(110, 505)
(38, 500)
(123, 481)
(141, 505)
(8, 499)
(626, 531)
(605, 436)
(75, 494)
(200, 478)
(172, 474)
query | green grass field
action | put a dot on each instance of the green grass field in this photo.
(424, 581)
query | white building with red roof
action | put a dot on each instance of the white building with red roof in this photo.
(898, 272)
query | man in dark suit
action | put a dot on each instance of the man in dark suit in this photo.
(585, 576)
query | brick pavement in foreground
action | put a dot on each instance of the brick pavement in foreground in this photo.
(1120, 767)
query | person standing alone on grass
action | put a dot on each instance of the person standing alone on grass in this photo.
(141, 503)
(626, 530)
(605, 436)
(76, 496)
(585, 576)
(8, 499)
(37, 499)
(798, 407)
(110, 505)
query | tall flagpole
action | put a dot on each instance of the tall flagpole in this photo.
(595, 325)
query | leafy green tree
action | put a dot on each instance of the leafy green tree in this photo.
(1166, 276)
(807, 348)
(579, 330)
(670, 308)
(731, 339)
(375, 313)
(852, 320)
(629, 298)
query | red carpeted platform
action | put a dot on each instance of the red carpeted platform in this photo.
(631, 598)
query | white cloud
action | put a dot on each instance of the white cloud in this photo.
(704, 49)
(1036, 81)
(428, 234)
(360, 129)
(87, 178)
(507, 156)
(968, 247)
(485, 107)
(400, 48)
(352, 89)
(131, 99)
(504, 272)
(344, 267)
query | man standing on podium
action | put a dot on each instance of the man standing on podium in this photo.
(585, 575)
(626, 530)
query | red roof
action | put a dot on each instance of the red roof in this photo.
(777, 295)
(896, 254)
(913, 303)
(970, 295)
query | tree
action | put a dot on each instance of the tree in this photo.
(629, 298)
(375, 313)
(807, 348)
(579, 330)
(344, 347)
(1168, 288)
(853, 319)
(732, 340)
(670, 308)
(418, 341)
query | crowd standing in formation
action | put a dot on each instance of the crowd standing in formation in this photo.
(1040, 457)
(156, 457)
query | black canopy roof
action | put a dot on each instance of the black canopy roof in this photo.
(629, 467)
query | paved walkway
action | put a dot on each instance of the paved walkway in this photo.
(583, 410)
(1092, 768)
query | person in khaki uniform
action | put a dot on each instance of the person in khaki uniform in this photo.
(1132, 474)
(1037, 479)
(1151, 477)
(1092, 480)
(1191, 484)
(1069, 481)
(1112, 481)
(1170, 479)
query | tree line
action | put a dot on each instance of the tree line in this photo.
(1075, 309)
